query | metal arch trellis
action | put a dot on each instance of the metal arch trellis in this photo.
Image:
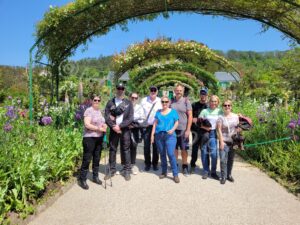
(204, 76)
(291, 5)
(186, 6)
(39, 40)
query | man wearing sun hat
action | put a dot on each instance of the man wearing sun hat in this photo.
(196, 131)
(118, 116)
(150, 104)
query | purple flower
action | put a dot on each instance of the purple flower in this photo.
(292, 125)
(46, 120)
(7, 127)
(11, 112)
(9, 98)
(77, 116)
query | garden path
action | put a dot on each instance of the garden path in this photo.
(253, 198)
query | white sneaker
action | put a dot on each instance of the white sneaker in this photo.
(120, 171)
(134, 169)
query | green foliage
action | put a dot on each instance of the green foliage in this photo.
(159, 49)
(273, 77)
(280, 159)
(64, 29)
(140, 74)
(32, 156)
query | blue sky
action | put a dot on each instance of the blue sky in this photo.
(18, 19)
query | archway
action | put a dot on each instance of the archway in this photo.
(63, 29)
(189, 51)
(205, 77)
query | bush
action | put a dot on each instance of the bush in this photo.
(31, 157)
(281, 159)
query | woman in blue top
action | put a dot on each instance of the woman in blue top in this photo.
(165, 123)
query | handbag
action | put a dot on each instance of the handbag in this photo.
(145, 124)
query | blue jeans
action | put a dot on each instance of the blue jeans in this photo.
(166, 145)
(209, 149)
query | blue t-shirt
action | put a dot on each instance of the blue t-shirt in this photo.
(165, 122)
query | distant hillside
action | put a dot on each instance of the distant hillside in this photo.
(14, 79)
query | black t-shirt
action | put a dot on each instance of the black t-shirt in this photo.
(197, 108)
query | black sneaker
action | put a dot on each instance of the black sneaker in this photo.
(192, 169)
(230, 178)
(223, 181)
(155, 168)
(97, 180)
(83, 184)
(127, 176)
(215, 176)
(147, 168)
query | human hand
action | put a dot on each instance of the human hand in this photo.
(170, 131)
(195, 120)
(222, 144)
(103, 128)
(152, 139)
(187, 134)
(117, 129)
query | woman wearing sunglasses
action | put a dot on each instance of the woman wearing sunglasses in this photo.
(226, 128)
(164, 126)
(94, 127)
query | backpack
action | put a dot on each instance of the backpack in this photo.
(245, 123)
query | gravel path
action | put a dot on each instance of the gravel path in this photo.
(253, 198)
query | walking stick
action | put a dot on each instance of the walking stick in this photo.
(106, 162)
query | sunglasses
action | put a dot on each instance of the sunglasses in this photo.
(120, 88)
(164, 102)
(134, 98)
(96, 100)
(153, 90)
(226, 105)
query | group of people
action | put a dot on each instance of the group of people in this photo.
(166, 125)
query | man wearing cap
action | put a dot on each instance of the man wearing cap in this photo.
(150, 105)
(196, 131)
(184, 109)
(118, 116)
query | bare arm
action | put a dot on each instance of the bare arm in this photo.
(90, 126)
(174, 128)
(189, 123)
(153, 131)
(220, 136)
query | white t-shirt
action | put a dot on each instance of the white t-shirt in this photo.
(146, 104)
(138, 115)
(228, 126)
(119, 119)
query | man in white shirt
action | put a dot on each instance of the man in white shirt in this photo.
(150, 104)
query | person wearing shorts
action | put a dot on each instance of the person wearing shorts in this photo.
(184, 109)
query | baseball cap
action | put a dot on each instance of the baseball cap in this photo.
(203, 91)
(120, 85)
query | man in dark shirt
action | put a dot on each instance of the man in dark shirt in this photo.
(118, 116)
(196, 131)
